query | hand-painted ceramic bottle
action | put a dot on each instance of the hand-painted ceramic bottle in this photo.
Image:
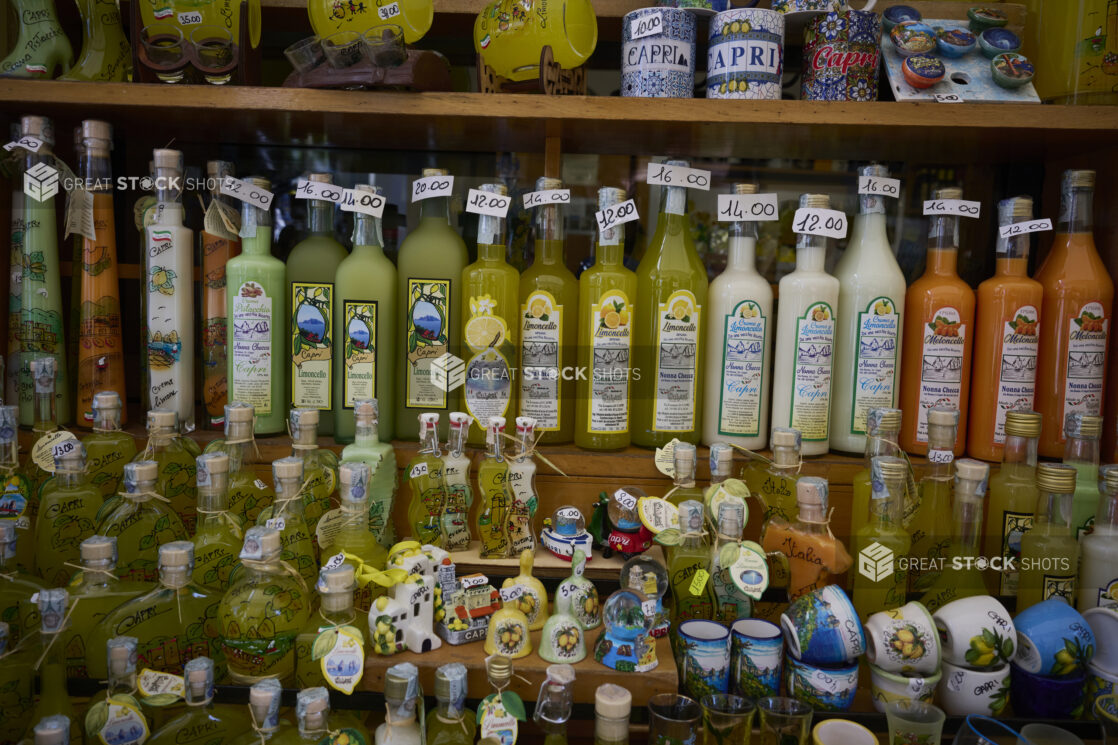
(426, 484)
(459, 491)
(220, 243)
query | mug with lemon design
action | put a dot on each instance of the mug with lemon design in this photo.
(745, 57)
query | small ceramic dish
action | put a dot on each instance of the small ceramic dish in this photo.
(923, 70)
(995, 41)
(984, 18)
(895, 14)
(913, 37)
(955, 42)
(1011, 70)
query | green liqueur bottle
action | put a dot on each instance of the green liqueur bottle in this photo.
(380, 457)
(107, 448)
(201, 723)
(114, 715)
(264, 707)
(17, 587)
(220, 534)
(448, 723)
(53, 697)
(17, 683)
(287, 516)
(18, 506)
(320, 466)
(141, 520)
(68, 506)
(689, 566)
(426, 483)
(343, 659)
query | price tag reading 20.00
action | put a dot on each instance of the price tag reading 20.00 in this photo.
(662, 174)
(429, 187)
(247, 192)
(819, 221)
(487, 203)
(747, 208)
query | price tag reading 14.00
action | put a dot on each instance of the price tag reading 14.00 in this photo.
(960, 207)
(547, 196)
(247, 192)
(487, 203)
(747, 208)
(1028, 226)
(364, 202)
(819, 221)
(662, 174)
(432, 186)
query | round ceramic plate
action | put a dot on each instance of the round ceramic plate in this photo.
(330, 16)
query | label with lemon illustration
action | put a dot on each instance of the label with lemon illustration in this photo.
(677, 349)
(811, 374)
(312, 344)
(941, 365)
(1087, 334)
(428, 321)
(875, 367)
(488, 387)
(743, 370)
(1014, 525)
(359, 377)
(251, 350)
(1017, 378)
(541, 359)
(610, 341)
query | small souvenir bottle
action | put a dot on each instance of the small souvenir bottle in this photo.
(449, 723)
(501, 711)
(401, 695)
(553, 705)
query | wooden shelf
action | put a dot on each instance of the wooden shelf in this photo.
(476, 122)
(546, 564)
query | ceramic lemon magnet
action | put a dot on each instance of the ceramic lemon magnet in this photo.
(532, 599)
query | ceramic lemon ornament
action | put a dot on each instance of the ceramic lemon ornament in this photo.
(578, 597)
(532, 601)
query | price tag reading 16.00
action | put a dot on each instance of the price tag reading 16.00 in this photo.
(487, 203)
(878, 185)
(661, 174)
(819, 221)
(319, 190)
(747, 207)
(432, 186)
(246, 191)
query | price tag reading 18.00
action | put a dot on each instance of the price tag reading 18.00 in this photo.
(661, 174)
(819, 221)
(617, 214)
(960, 207)
(364, 202)
(319, 190)
(1028, 226)
(547, 196)
(432, 186)
(247, 192)
(648, 25)
(747, 207)
(877, 185)
(487, 203)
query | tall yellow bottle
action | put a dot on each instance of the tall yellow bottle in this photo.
(931, 523)
(1012, 498)
(882, 587)
(1049, 551)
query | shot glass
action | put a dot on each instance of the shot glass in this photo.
(215, 53)
(344, 49)
(672, 718)
(1047, 734)
(727, 719)
(982, 730)
(385, 45)
(305, 54)
(1106, 711)
(914, 721)
(784, 721)
(164, 51)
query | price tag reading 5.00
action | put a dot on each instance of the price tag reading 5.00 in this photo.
(1028, 226)
(649, 25)
(508, 594)
(547, 196)
(319, 190)
(819, 221)
(432, 186)
(617, 214)
(960, 207)
(661, 174)
(878, 186)
(364, 202)
(487, 203)
(747, 207)
(388, 11)
(247, 192)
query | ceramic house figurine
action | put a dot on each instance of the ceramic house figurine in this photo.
(565, 531)
(577, 596)
(532, 600)
(405, 621)
(625, 641)
(466, 602)
(508, 630)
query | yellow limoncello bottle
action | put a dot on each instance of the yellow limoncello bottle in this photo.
(18, 506)
(68, 506)
(201, 723)
(490, 325)
(548, 325)
(115, 714)
(448, 723)
(107, 448)
(683, 475)
(495, 494)
(401, 697)
(522, 486)
(353, 535)
(883, 427)
(932, 523)
(1049, 552)
(249, 496)
(689, 567)
(455, 519)
(44, 375)
(220, 533)
(286, 515)
(17, 587)
(264, 707)
(606, 294)
(1012, 499)
(320, 466)
(879, 583)
(141, 520)
(1081, 452)
(961, 577)
(775, 482)
(330, 650)
(53, 697)
(426, 483)
(316, 724)
(175, 455)
(17, 680)
(380, 457)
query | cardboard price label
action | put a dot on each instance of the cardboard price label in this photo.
(546, 197)
(650, 25)
(364, 202)
(247, 192)
(430, 187)
(487, 203)
(27, 142)
(1028, 226)
(819, 221)
(319, 190)
(747, 207)
(661, 174)
(43, 452)
(879, 186)
(960, 207)
(617, 214)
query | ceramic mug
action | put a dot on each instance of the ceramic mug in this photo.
(745, 57)
(903, 640)
(889, 686)
(807, 6)
(756, 657)
(822, 627)
(1099, 683)
(841, 732)
(841, 55)
(824, 688)
(1053, 639)
(660, 65)
(704, 6)
(704, 650)
(1104, 622)
(964, 690)
(1045, 697)
(976, 631)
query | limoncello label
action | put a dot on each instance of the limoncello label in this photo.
(875, 367)
(541, 353)
(1014, 525)
(677, 349)
(1017, 378)
(811, 383)
(344, 663)
(1083, 384)
(312, 344)
(488, 386)
(121, 722)
(941, 365)
(611, 343)
(743, 370)
(164, 342)
(251, 348)
(428, 339)
(359, 377)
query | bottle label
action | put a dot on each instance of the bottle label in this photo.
(811, 374)
(1083, 386)
(743, 370)
(252, 348)
(359, 376)
(1017, 379)
(342, 655)
(488, 386)
(13, 502)
(541, 363)
(875, 367)
(495, 721)
(941, 366)
(312, 345)
(658, 55)
(428, 339)
(164, 342)
(118, 721)
(1058, 586)
(677, 348)
(611, 342)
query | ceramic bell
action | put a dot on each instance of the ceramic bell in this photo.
(563, 639)
(532, 601)
(625, 644)
(648, 576)
(565, 531)
(508, 634)
(577, 596)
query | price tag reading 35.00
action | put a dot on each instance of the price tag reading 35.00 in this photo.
(487, 203)
(879, 186)
(648, 25)
(819, 221)
(960, 207)
(617, 214)
(319, 190)
(364, 202)
(547, 196)
(661, 174)
(747, 207)
(432, 186)
(1028, 226)
(247, 192)
(191, 18)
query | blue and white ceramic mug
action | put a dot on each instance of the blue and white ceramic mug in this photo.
(756, 658)
(1053, 639)
(658, 53)
(824, 688)
(745, 58)
(704, 651)
(822, 627)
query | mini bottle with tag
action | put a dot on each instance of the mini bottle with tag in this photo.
(1013, 494)
(578, 596)
(625, 642)
(427, 485)
(730, 603)
(401, 697)
(455, 519)
(813, 556)
(1049, 552)
(220, 243)
(532, 601)
(17, 681)
(263, 611)
(689, 567)
(115, 717)
(317, 726)
(931, 521)
(883, 427)
(68, 506)
(353, 535)
(330, 650)
(17, 587)
(554, 703)
(173, 623)
(683, 475)
(499, 713)
(53, 697)
(220, 533)
(496, 494)
(175, 455)
(380, 457)
(320, 466)
(249, 496)
(775, 482)
(201, 723)
(43, 373)
(522, 484)
(882, 585)
(449, 724)
(19, 505)
(108, 447)
(141, 520)
(264, 711)
(721, 468)
(286, 516)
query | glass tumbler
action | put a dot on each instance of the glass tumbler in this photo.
(914, 721)
(385, 45)
(344, 49)
(727, 719)
(305, 54)
(784, 721)
(164, 51)
(672, 719)
(215, 53)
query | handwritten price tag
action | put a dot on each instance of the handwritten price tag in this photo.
(625, 499)
(508, 594)
(569, 512)
(319, 190)
(334, 561)
(277, 523)
(940, 457)
(475, 581)
(247, 192)
(64, 448)
(364, 202)
(948, 98)
(960, 207)
(649, 25)
(819, 221)
(648, 608)
(419, 469)
(661, 174)
(617, 214)
(193, 18)
(27, 142)
(388, 11)
(699, 582)
(878, 186)
(752, 207)
(487, 203)
(547, 196)
(432, 186)
(1029, 226)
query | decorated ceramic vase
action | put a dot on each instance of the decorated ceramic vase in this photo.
(532, 600)
(625, 644)
(578, 597)
(841, 52)
(660, 64)
(745, 58)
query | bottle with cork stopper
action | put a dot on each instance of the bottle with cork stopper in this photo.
(960, 576)
(883, 427)
(1082, 433)
(17, 678)
(612, 706)
(107, 446)
(1049, 551)
(220, 533)
(449, 723)
(115, 714)
(494, 718)
(522, 484)
(220, 243)
(320, 466)
(287, 516)
(885, 531)
(169, 303)
(53, 696)
(683, 475)
(20, 502)
(401, 696)
(52, 730)
(141, 519)
(172, 621)
(270, 595)
(249, 496)
(730, 603)
(340, 659)
(68, 507)
(775, 481)
(929, 517)
(455, 519)
(739, 343)
(554, 703)
(426, 484)
(353, 535)
(264, 700)
(311, 269)
(256, 306)
(495, 493)
(1098, 550)
(201, 721)
(380, 457)
(689, 567)
(17, 586)
(721, 469)
(1013, 495)
(429, 271)
(44, 379)
(939, 335)
(175, 454)
(814, 555)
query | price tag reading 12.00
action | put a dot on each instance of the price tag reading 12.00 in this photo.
(364, 202)
(432, 186)
(661, 174)
(747, 207)
(487, 203)
(617, 214)
(960, 207)
(1028, 226)
(547, 196)
(879, 186)
(819, 221)
(246, 191)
